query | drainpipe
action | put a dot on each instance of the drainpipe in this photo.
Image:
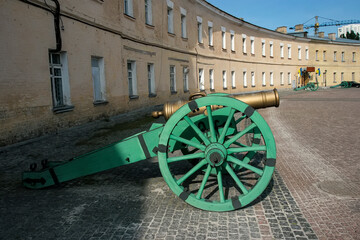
(56, 14)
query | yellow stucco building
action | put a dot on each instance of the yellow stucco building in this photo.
(112, 56)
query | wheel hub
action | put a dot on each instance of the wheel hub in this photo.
(215, 154)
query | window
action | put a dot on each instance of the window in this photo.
(342, 77)
(252, 79)
(232, 39)
(244, 43)
(353, 76)
(324, 55)
(172, 79)
(271, 49)
(211, 76)
(233, 83)
(131, 67)
(151, 80)
(210, 33)
(59, 77)
(354, 56)
(252, 43)
(316, 55)
(334, 77)
(201, 79)
(224, 80)
(299, 52)
(183, 23)
(306, 53)
(263, 47)
(245, 79)
(289, 78)
(98, 77)
(223, 34)
(170, 13)
(271, 79)
(281, 50)
(335, 56)
(148, 12)
(343, 56)
(281, 78)
(186, 78)
(263, 79)
(289, 51)
(128, 7)
(199, 24)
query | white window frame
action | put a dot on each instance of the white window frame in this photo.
(342, 76)
(170, 16)
(335, 52)
(253, 79)
(306, 53)
(224, 79)
(343, 56)
(223, 36)
(353, 76)
(183, 22)
(128, 8)
(132, 78)
(334, 74)
(201, 79)
(172, 78)
(299, 52)
(281, 50)
(211, 34)
(232, 40)
(148, 12)
(211, 79)
(263, 79)
(233, 81)
(289, 78)
(252, 45)
(324, 55)
(199, 29)
(271, 49)
(354, 56)
(244, 79)
(186, 78)
(151, 79)
(317, 55)
(271, 78)
(60, 80)
(244, 43)
(98, 78)
(289, 51)
(281, 78)
(263, 48)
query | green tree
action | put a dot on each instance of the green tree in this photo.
(351, 35)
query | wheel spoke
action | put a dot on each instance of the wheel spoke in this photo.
(197, 130)
(188, 142)
(191, 172)
(186, 157)
(211, 124)
(246, 149)
(220, 185)
(226, 127)
(203, 183)
(245, 165)
(239, 135)
(236, 179)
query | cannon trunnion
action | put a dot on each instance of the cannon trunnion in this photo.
(219, 142)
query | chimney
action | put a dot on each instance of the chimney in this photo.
(282, 29)
(332, 36)
(299, 28)
(321, 34)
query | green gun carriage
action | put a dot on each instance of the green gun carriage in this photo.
(221, 138)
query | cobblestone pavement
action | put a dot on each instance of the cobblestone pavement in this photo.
(314, 193)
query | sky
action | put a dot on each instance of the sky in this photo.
(271, 14)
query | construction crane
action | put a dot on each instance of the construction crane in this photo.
(326, 24)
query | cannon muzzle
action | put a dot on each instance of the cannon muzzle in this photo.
(257, 100)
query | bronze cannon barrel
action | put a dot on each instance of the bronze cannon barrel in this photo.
(257, 100)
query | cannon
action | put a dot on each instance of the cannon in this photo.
(220, 140)
(347, 84)
(312, 86)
